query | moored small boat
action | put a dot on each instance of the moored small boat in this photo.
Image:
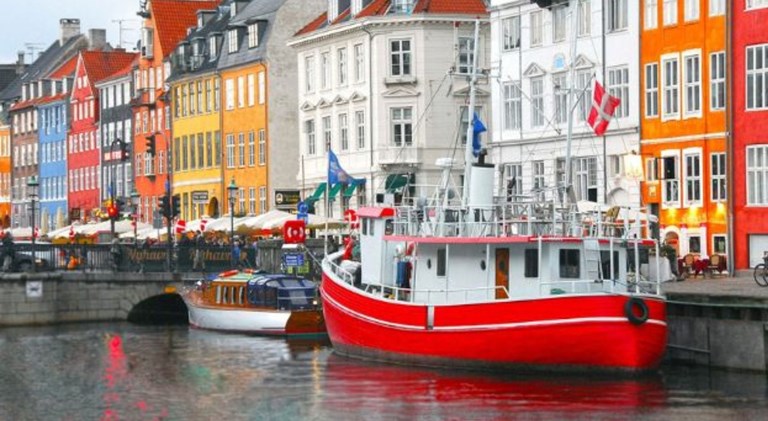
(256, 303)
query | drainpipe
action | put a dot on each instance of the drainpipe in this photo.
(729, 136)
(370, 107)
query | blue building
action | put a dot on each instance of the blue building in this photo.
(52, 132)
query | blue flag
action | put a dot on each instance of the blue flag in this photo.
(336, 174)
(477, 128)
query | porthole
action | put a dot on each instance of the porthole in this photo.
(482, 264)
(429, 263)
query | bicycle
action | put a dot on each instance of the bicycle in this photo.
(761, 271)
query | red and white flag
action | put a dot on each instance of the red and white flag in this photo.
(36, 234)
(203, 223)
(181, 226)
(603, 107)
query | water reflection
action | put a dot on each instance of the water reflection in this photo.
(121, 371)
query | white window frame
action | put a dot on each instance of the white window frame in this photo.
(671, 90)
(402, 118)
(717, 75)
(241, 150)
(757, 175)
(341, 56)
(232, 41)
(251, 149)
(756, 4)
(309, 133)
(327, 132)
(343, 132)
(718, 171)
(262, 80)
(262, 199)
(399, 68)
(667, 184)
(651, 15)
(465, 65)
(537, 102)
(251, 89)
(670, 12)
(309, 74)
(584, 13)
(510, 33)
(253, 35)
(559, 19)
(692, 10)
(360, 128)
(651, 169)
(756, 73)
(325, 70)
(514, 172)
(560, 97)
(252, 200)
(618, 86)
(536, 28)
(692, 84)
(262, 147)
(359, 63)
(513, 111)
(693, 186)
(229, 87)
(616, 15)
(230, 150)
(651, 75)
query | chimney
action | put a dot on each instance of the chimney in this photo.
(97, 39)
(69, 28)
(20, 63)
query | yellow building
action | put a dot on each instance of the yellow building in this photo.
(196, 128)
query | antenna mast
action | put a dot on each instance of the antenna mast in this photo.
(468, 155)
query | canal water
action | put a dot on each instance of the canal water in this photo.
(128, 372)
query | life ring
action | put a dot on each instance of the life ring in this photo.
(228, 273)
(633, 304)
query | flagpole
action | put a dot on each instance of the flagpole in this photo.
(468, 151)
(571, 105)
(327, 194)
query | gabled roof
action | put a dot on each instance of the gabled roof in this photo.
(122, 72)
(65, 70)
(381, 7)
(100, 65)
(216, 25)
(173, 17)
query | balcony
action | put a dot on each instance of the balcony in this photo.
(395, 155)
(144, 97)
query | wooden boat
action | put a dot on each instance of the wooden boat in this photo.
(256, 303)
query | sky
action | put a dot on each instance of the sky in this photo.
(36, 22)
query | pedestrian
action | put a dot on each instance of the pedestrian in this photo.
(256, 259)
(199, 262)
(9, 251)
(115, 252)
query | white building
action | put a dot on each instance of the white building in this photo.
(385, 85)
(531, 59)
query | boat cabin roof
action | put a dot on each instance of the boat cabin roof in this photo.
(376, 212)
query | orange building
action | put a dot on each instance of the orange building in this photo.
(165, 24)
(683, 130)
(5, 176)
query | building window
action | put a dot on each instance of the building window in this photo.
(513, 112)
(241, 200)
(343, 132)
(341, 55)
(692, 178)
(252, 200)
(217, 146)
(694, 243)
(262, 199)
(671, 104)
(757, 175)
(212, 48)
(717, 80)
(232, 41)
(510, 28)
(262, 87)
(325, 70)
(671, 186)
(756, 4)
(585, 177)
(670, 12)
(309, 74)
(652, 90)
(262, 147)
(537, 102)
(466, 55)
(618, 86)
(559, 19)
(569, 264)
(402, 126)
(691, 10)
(561, 97)
(719, 244)
(464, 126)
(584, 83)
(531, 263)
(537, 28)
(327, 132)
(309, 132)
(401, 6)
(616, 15)
(651, 17)
(692, 79)
(359, 63)
(251, 90)
(651, 169)
(253, 35)
(241, 92)
(360, 124)
(229, 87)
(252, 149)
(208, 149)
(230, 151)
(400, 57)
(585, 17)
(718, 177)
(539, 177)
(757, 77)
(241, 149)
(216, 94)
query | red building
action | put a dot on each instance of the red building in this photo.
(750, 131)
(165, 25)
(83, 165)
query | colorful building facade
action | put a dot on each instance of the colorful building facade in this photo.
(683, 122)
(5, 175)
(750, 131)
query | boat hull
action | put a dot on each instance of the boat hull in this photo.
(568, 332)
(255, 320)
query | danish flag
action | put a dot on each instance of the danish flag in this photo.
(36, 234)
(603, 107)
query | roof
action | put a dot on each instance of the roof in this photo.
(381, 7)
(119, 74)
(378, 213)
(65, 70)
(102, 64)
(264, 11)
(7, 75)
(173, 17)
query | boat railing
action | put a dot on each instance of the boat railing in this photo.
(335, 268)
(436, 296)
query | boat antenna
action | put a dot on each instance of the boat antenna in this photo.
(468, 151)
(573, 102)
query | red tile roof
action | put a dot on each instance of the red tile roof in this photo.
(66, 69)
(173, 17)
(380, 8)
(124, 71)
(102, 64)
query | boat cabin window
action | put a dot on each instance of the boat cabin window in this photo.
(241, 295)
(389, 227)
(224, 294)
(440, 262)
(531, 263)
(364, 225)
(605, 262)
(569, 263)
(218, 294)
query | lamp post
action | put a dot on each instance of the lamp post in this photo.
(135, 200)
(32, 185)
(112, 210)
(232, 190)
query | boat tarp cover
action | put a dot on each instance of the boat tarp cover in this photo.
(281, 292)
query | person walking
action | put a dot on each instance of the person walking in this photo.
(9, 251)
(199, 261)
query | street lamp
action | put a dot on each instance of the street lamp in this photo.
(135, 200)
(32, 185)
(232, 190)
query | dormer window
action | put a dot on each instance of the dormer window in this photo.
(233, 40)
(200, 20)
(147, 42)
(253, 35)
(401, 7)
(213, 47)
(196, 50)
(233, 9)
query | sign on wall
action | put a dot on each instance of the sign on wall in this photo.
(34, 289)
(287, 199)
(200, 197)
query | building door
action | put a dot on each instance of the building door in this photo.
(502, 273)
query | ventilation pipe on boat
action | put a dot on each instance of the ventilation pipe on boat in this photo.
(481, 190)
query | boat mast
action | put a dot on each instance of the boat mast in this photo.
(572, 103)
(468, 152)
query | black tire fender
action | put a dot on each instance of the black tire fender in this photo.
(632, 307)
